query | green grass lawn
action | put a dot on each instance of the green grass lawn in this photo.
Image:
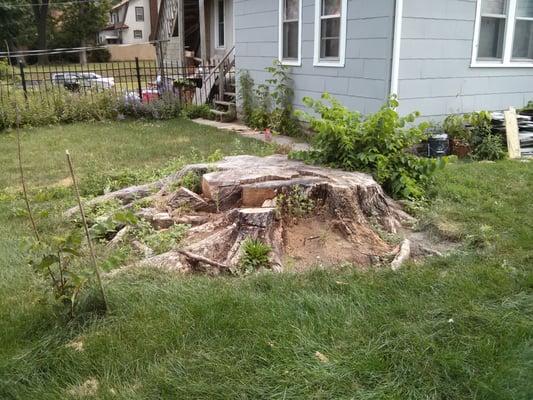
(459, 327)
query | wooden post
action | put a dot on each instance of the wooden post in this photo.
(86, 228)
(181, 31)
(203, 37)
(511, 131)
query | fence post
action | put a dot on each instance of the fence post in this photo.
(23, 79)
(139, 78)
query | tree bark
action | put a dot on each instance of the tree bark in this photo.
(83, 53)
(40, 13)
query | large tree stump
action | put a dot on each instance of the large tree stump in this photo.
(237, 202)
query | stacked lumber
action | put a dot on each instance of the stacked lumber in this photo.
(525, 130)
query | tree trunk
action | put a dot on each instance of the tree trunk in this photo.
(83, 53)
(40, 13)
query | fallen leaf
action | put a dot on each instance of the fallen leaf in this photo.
(321, 357)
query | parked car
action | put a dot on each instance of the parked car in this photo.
(96, 80)
(76, 80)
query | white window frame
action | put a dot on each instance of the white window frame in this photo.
(291, 62)
(506, 61)
(135, 37)
(317, 61)
(217, 44)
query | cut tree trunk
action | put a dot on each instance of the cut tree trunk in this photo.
(237, 202)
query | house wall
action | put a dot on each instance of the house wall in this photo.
(362, 84)
(216, 53)
(435, 75)
(127, 34)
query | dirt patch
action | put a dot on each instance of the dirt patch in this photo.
(319, 241)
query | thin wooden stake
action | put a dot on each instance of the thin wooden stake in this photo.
(86, 227)
(23, 181)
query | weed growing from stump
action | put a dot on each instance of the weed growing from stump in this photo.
(255, 255)
(294, 203)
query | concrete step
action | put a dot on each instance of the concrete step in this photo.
(224, 103)
(219, 113)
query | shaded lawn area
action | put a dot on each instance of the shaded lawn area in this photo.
(451, 328)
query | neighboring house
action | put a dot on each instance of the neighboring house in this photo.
(439, 56)
(130, 22)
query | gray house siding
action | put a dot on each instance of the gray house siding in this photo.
(362, 84)
(435, 75)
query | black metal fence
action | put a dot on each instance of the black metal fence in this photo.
(139, 80)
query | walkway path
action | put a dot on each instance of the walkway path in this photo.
(247, 132)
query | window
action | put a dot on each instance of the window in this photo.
(504, 34)
(139, 14)
(290, 31)
(330, 32)
(137, 34)
(114, 18)
(220, 29)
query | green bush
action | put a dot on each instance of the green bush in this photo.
(246, 96)
(270, 105)
(167, 107)
(377, 143)
(491, 148)
(476, 130)
(101, 55)
(58, 107)
(193, 111)
(455, 126)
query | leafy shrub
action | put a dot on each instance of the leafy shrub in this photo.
(167, 107)
(270, 105)
(377, 143)
(60, 107)
(55, 263)
(254, 256)
(6, 72)
(480, 125)
(260, 117)
(193, 111)
(246, 96)
(101, 55)
(455, 127)
(282, 118)
(475, 129)
(491, 148)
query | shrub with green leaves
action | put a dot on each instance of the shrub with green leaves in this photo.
(255, 255)
(270, 105)
(55, 261)
(378, 143)
(491, 148)
(193, 111)
(246, 95)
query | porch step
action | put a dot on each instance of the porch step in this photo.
(230, 94)
(219, 113)
(224, 103)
